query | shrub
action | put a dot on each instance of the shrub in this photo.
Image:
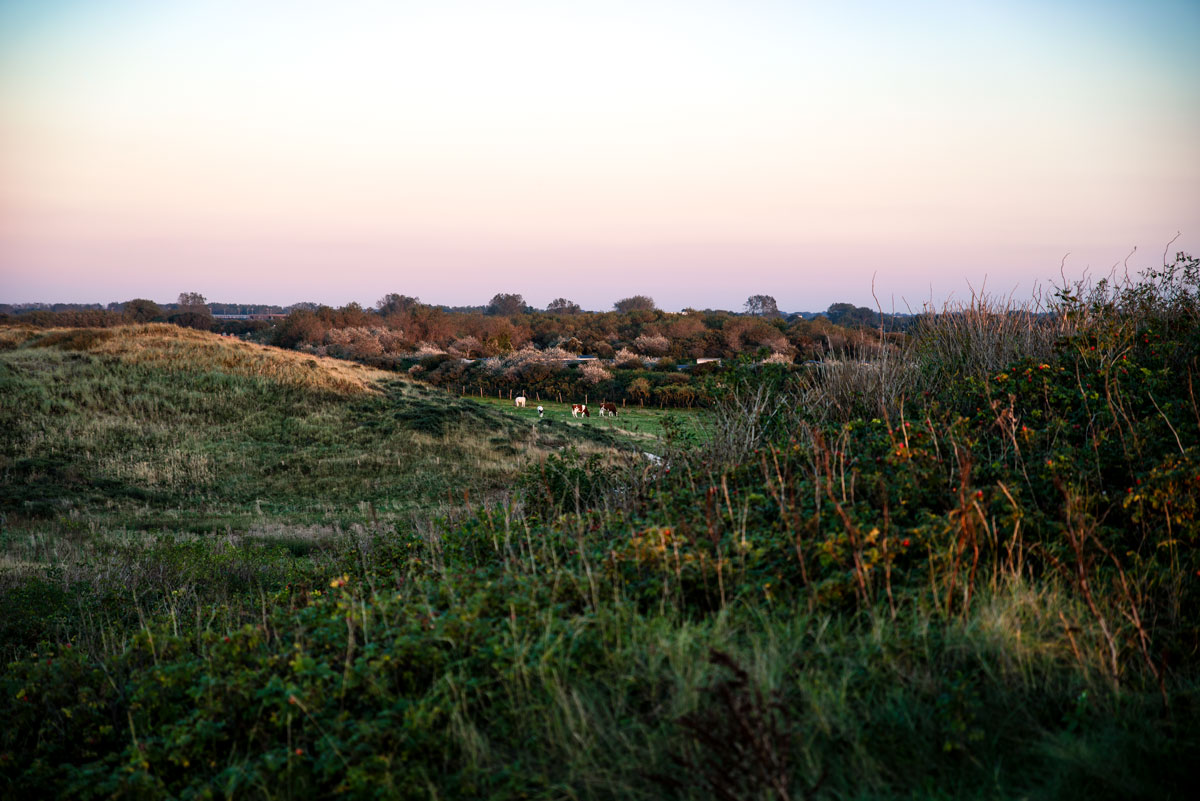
(652, 344)
(627, 360)
(593, 373)
(602, 349)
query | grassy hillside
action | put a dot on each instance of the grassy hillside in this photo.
(157, 426)
(129, 451)
(968, 570)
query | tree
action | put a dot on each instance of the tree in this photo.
(193, 312)
(393, 303)
(198, 317)
(762, 306)
(563, 306)
(639, 390)
(635, 303)
(192, 301)
(506, 305)
(849, 315)
(140, 310)
(301, 326)
(352, 315)
(468, 346)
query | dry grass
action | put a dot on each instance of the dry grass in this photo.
(844, 388)
(188, 350)
(979, 337)
(972, 339)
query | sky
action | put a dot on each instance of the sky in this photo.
(697, 151)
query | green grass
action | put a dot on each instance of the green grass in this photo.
(641, 427)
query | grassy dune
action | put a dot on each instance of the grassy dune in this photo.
(187, 351)
(146, 458)
(151, 426)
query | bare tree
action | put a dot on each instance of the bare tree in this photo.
(467, 346)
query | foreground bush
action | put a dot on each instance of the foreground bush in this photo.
(498, 683)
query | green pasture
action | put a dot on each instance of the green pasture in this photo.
(642, 426)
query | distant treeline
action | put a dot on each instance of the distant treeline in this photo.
(214, 308)
(191, 310)
(115, 313)
(636, 353)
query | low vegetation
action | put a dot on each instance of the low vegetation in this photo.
(963, 567)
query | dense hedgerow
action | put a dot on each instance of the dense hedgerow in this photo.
(980, 580)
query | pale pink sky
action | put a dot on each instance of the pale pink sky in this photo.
(698, 152)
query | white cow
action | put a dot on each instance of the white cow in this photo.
(541, 411)
(520, 401)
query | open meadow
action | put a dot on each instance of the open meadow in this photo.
(964, 567)
(641, 426)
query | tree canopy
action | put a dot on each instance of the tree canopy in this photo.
(850, 315)
(191, 300)
(762, 306)
(193, 312)
(505, 304)
(635, 303)
(141, 310)
(393, 303)
(563, 306)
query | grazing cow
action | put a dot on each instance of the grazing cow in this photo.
(609, 409)
(541, 411)
(580, 410)
(520, 401)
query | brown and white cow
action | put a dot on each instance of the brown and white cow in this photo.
(580, 410)
(609, 409)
